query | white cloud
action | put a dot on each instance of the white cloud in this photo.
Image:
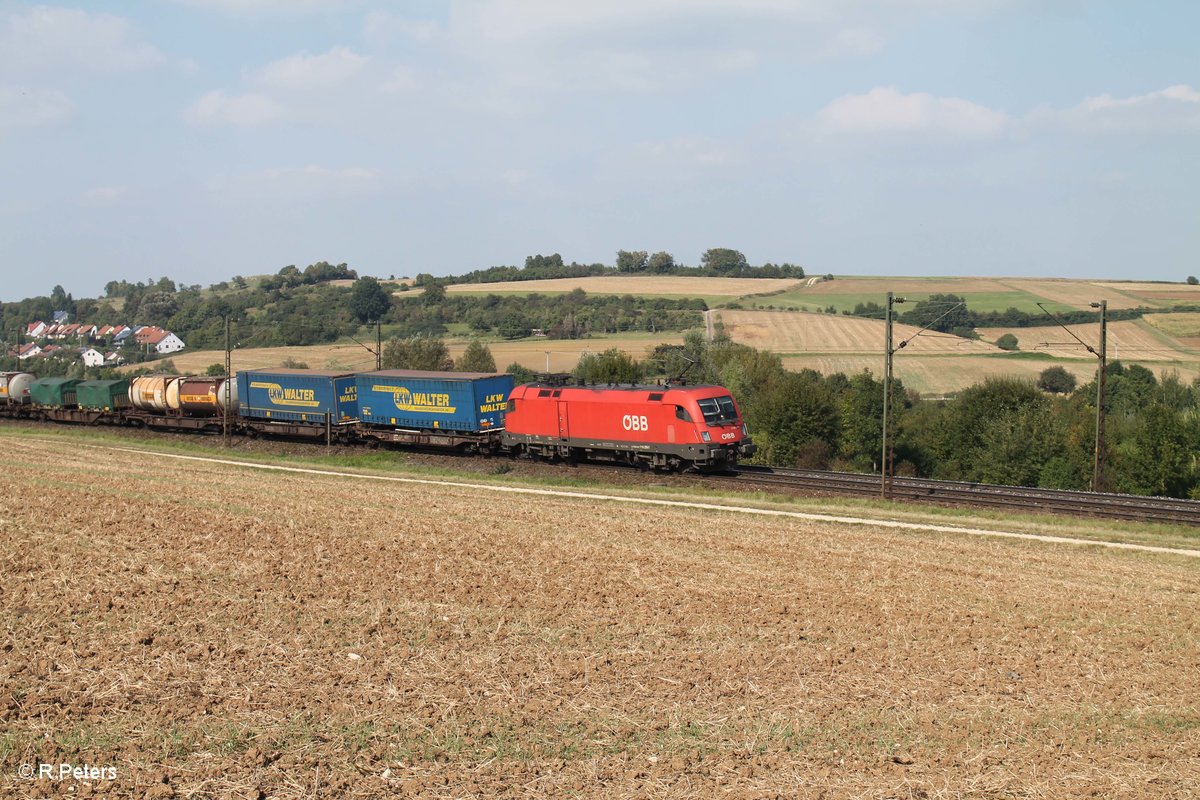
(45, 40)
(103, 196)
(247, 110)
(657, 45)
(384, 27)
(284, 184)
(304, 72)
(33, 108)
(1175, 109)
(338, 85)
(255, 8)
(885, 109)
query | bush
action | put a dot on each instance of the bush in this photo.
(1009, 342)
(1056, 380)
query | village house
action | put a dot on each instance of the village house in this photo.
(28, 351)
(161, 341)
(92, 357)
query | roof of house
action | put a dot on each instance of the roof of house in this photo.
(151, 335)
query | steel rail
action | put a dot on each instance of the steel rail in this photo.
(1098, 504)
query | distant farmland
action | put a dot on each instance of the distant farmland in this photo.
(983, 294)
(931, 363)
(796, 331)
(563, 355)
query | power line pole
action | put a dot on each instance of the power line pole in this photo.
(1101, 380)
(378, 344)
(885, 469)
(1098, 463)
(226, 390)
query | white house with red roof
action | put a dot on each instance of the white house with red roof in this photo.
(155, 337)
(28, 351)
(36, 328)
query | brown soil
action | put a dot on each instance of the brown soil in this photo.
(214, 632)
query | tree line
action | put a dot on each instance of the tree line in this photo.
(715, 262)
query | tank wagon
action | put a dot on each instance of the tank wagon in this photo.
(664, 427)
(14, 388)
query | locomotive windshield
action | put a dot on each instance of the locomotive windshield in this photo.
(718, 410)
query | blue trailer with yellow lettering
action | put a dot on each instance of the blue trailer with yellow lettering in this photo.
(433, 402)
(306, 397)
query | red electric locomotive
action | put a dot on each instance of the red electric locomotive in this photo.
(665, 427)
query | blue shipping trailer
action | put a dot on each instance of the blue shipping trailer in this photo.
(454, 401)
(297, 395)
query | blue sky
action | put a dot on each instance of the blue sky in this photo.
(201, 139)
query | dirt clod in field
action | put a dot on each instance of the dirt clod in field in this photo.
(211, 631)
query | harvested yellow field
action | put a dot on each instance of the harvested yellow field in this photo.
(1162, 292)
(799, 331)
(1184, 325)
(1076, 293)
(918, 286)
(350, 357)
(1129, 340)
(935, 376)
(641, 284)
(238, 633)
(531, 353)
(564, 354)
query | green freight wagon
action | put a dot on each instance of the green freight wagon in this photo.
(103, 395)
(54, 392)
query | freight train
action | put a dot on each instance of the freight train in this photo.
(669, 427)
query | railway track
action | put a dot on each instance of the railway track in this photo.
(956, 493)
(962, 493)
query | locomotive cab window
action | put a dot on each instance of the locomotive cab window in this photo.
(718, 410)
(511, 406)
(544, 393)
(682, 413)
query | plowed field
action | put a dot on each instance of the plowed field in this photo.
(212, 632)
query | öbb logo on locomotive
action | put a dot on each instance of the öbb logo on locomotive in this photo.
(634, 422)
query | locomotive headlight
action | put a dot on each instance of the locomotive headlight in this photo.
(705, 436)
